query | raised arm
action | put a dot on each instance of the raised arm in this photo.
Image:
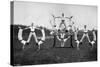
(38, 27)
(58, 17)
(69, 17)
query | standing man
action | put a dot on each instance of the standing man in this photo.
(32, 27)
(85, 34)
(54, 32)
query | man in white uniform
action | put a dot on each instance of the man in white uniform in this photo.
(32, 27)
(20, 38)
(62, 34)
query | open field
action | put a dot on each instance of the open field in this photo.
(49, 54)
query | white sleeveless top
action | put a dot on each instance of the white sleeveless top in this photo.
(85, 30)
(32, 28)
(62, 18)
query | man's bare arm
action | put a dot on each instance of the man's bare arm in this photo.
(58, 17)
(26, 27)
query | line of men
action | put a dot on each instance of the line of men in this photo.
(58, 32)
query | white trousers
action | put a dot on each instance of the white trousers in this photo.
(30, 35)
(85, 35)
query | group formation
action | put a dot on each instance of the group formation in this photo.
(32, 27)
(58, 31)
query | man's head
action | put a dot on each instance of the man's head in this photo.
(77, 28)
(85, 26)
(32, 24)
(62, 14)
(54, 25)
(93, 29)
(71, 17)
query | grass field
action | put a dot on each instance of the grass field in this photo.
(49, 54)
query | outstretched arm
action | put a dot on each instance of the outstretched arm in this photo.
(58, 17)
(66, 39)
(26, 27)
(69, 17)
(58, 38)
(19, 27)
(55, 17)
(38, 27)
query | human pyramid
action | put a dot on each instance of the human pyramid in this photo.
(62, 30)
(59, 32)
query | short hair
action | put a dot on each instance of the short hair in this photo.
(85, 26)
(54, 25)
(62, 14)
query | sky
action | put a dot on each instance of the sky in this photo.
(41, 14)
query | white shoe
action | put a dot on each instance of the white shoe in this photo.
(77, 42)
(23, 42)
(51, 32)
(40, 42)
(92, 42)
